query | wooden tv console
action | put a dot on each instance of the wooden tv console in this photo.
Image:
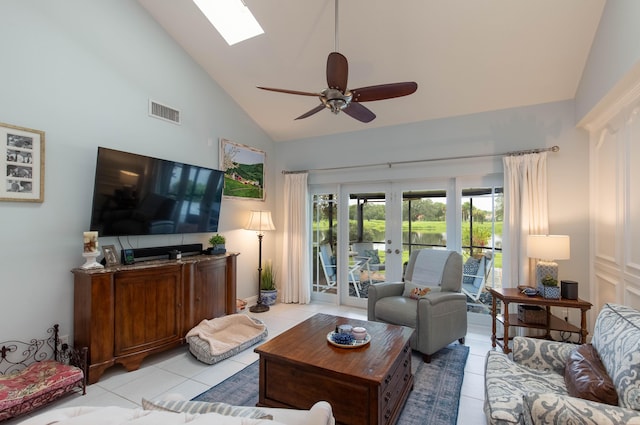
(125, 313)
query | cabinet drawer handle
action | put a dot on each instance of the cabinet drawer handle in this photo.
(388, 379)
(387, 414)
(387, 397)
(406, 363)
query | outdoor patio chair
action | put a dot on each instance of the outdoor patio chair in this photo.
(366, 249)
(357, 265)
(475, 275)
(329, 267)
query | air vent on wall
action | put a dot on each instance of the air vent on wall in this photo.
(163, 112)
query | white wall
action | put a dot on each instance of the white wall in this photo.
(607, 103)
(615, 51)
(82, 72)
(479, 134)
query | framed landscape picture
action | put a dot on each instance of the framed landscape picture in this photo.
(243, 168)
(23, 151)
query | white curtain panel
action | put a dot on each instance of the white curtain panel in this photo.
(525, 212)
(295, 248)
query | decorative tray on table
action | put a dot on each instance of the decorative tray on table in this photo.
(342, 342)
(531, 292)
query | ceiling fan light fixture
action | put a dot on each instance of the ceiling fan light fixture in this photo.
(231, 18)
(335, 100)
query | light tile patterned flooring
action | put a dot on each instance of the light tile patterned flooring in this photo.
(176, 373)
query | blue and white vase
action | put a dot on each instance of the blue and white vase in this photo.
(551, 292)
(269, 296)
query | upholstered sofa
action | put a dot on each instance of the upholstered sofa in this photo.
(550, 382)
(182, 412)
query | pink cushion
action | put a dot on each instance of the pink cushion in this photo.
(35, 380)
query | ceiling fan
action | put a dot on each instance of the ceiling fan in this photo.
(337, 98)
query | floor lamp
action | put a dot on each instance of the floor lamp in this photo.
(260, 221)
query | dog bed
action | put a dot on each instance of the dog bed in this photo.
(217, 339)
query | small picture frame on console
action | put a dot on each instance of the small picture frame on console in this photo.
(110, 255)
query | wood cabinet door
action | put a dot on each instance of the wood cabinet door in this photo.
(148, 308)
(210, 290)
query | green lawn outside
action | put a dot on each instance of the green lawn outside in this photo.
(377, 227)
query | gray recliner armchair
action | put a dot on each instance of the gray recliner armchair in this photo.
(429, 300)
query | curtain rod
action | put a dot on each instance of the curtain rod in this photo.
(415, 161)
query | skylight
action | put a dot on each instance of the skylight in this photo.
(233, 20)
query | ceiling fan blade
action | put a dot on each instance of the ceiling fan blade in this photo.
(302, 93)
(359, 112)
(383, 91)
(311, 112)
(337, 71)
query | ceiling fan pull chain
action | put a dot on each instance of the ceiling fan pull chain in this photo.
(336, 31)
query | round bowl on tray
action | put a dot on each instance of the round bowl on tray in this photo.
(354, 343)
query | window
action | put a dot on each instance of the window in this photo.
(482, 213)
(324, 238)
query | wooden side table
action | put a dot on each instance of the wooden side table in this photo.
(553, 323)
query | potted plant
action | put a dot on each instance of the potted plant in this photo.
(268, 289)
(217, 244)
(550, 288)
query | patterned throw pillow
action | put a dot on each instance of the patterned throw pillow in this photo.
(415, 291)
(373, 254)
(185, 406)
(470, 268)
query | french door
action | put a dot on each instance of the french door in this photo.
(364, 234)
(369, 241)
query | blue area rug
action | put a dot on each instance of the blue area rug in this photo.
(436, 389)
(434, 399)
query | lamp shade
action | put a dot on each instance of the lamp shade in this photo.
(549, 247)
(260, 221)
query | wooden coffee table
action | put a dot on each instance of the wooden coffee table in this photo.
(364, 385)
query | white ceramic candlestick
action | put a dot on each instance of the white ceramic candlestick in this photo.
(90, 260)
(90, 250)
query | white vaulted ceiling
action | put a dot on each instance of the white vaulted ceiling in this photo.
(467, 56)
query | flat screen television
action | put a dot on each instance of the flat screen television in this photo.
(140, 195)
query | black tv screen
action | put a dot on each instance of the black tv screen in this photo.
(140, 195)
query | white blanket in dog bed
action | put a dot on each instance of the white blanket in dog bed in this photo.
(217, 339)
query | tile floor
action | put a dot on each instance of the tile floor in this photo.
(178, 373)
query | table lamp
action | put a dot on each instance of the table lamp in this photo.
(547, 248)
(260, 221)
